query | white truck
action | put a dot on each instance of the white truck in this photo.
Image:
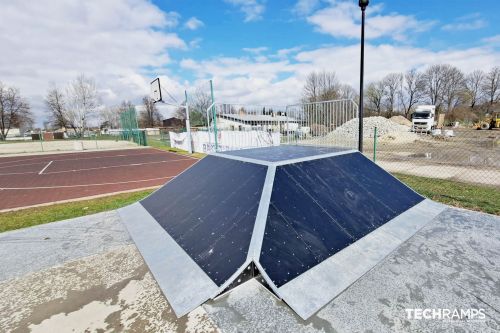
(423, 119)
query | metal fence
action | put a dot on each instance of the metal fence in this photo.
(460, 154)
(89, 140)
(237, 126)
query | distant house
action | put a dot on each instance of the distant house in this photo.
(264, 122)
(173, 122)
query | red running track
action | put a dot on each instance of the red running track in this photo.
(34, 180)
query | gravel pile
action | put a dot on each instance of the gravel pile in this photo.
(347, 134)
(384, 126)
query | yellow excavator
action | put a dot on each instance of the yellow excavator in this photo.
(490, 122)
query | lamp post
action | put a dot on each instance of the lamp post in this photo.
(362, 4)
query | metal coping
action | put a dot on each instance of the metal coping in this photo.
(261, 219)
(284, 162)
(313, 289)
(182, 281)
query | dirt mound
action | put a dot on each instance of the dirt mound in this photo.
(401, 120)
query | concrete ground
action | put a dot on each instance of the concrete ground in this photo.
(464, 174)
(86, 275)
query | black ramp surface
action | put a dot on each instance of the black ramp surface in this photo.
(320, 207)
(283, 153)
(210, 211)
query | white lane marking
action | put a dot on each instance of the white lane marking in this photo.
(17, 173)
(116, 166)
(96, 168)
(48, 164)
(83, 185)
(73, 159)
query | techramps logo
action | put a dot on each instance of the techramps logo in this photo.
(470, 315)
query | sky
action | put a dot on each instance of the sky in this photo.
(255, 51)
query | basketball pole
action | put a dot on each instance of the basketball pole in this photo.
(214, 115)
(188, 124)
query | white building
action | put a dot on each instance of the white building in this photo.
(247, 122)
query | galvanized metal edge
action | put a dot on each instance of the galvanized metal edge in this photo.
(242, 159)
(310, 291)
(261, 219)
(233, 277)
(184, 283)
(314, 157)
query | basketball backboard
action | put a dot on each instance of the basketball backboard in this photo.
(156, 90)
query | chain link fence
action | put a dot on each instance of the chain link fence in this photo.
(454, 153)
(46, 142)
(459, 153)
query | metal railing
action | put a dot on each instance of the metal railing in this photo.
(239, 126)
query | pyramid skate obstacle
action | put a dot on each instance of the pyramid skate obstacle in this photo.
(311, 220)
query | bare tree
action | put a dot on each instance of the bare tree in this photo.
(199, 102)
(321, 86)
(198, 106)
(56, 107)
(82, 102)
(346, 91)
(491, 86)
(14, 110)
(472, 84)
(411, 91)
(392, 85)
(375, 95)
(110, 117)
(434, 78)
(150, 116)
(453, 87)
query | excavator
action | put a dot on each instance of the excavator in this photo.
(490, 122)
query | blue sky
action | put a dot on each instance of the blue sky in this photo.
(233, 30)
(256, 51)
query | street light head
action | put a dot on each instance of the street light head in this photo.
(363, 4)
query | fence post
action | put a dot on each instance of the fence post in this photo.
(375, 144)
(188, 125)
(214, 116)
(41, 140)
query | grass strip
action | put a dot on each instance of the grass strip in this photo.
(475, 197)
(39, 215)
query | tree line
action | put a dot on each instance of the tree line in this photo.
(452, 91)
(75, 105)
(15, 111)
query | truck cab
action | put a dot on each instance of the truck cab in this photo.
(423, 119)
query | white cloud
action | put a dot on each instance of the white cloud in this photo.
(193, 23)
(342, 19)
(253, 9)
(468, 22)
(493, 40)
(278, 82)
(255, 50)
(54, 41)
(305, 7)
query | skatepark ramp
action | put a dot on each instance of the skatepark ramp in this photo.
(310, 220)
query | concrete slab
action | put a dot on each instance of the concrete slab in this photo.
(32, 249)
(112, 291)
